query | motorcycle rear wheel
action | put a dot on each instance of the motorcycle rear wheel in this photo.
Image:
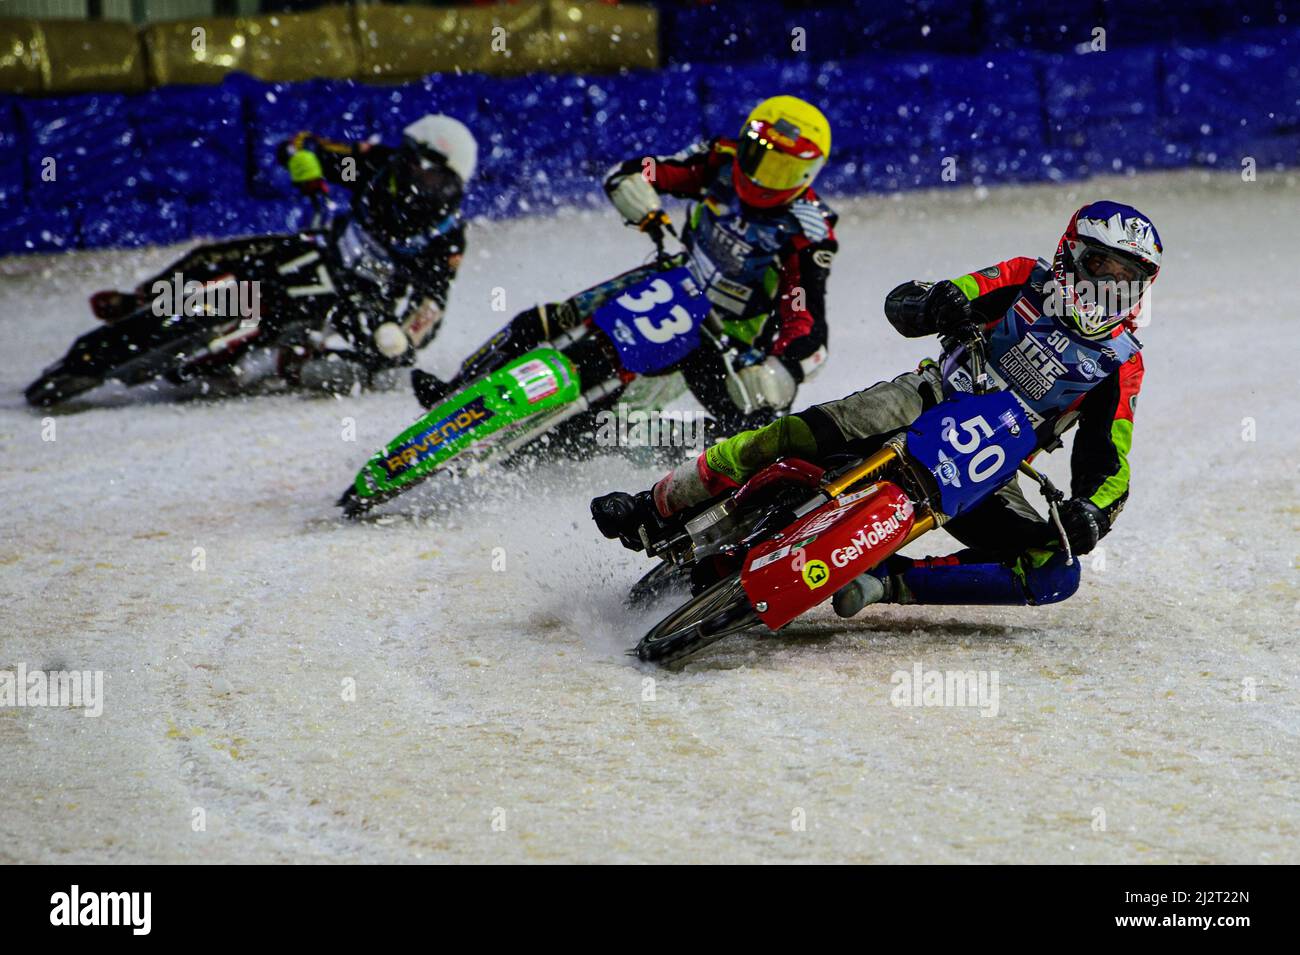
(105, 355)
(51, 390)
(719, 611)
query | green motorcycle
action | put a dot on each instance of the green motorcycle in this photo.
(640, 333)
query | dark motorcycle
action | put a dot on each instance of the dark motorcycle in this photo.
(198, 327)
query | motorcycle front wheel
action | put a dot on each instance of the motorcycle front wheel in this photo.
(717, 612)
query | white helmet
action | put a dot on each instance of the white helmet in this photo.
(448, 137)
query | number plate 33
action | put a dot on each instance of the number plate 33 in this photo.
(656, 323)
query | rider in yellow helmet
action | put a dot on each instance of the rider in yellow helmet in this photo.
(782, 146)
(759, 242)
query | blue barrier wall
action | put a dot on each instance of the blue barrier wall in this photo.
(100, 170)
(695, 31)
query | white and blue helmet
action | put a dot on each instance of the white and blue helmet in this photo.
(1107, 259)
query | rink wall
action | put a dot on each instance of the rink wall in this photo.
(113, 169)
(375, 42)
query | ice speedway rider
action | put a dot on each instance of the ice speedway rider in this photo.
(759, 241)
(1059, 336)
(401, 244)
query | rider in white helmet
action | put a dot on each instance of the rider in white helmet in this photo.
(404, 236)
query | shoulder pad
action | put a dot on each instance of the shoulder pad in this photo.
(723, 145)
(694, 151)
(814, 218)
(1041, 275)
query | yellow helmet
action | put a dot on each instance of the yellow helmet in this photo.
(782, 146)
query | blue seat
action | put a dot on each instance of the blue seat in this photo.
(1189, 21)
(881, 106)
(844, 175)
(192, 140)
(852, 29)
(246, 215)
(1276, 152)
(641, 114)
(525, 120)
(1079, 90)
(147, 167)
(13, 150)
(1235, 87)
(1059, 25)
(984, 103)
(716, 32)
(392, 108)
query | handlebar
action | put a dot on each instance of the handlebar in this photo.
(978, 351)
(655, 228)
(1054, 496)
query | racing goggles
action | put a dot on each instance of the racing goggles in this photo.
(774, 156)
(1099, 263)
(431, 179)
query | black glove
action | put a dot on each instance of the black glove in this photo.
(947, 310)
(1085, 524)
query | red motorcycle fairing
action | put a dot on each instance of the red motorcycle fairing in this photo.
(824, 550)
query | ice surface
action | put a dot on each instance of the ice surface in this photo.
(506, 697)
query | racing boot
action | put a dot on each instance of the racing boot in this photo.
(112, 306)
(334, 373)
(620, 516)
(862, 591)
(429, 388)
(970, 578)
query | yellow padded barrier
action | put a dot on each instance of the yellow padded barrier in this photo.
(373, 42)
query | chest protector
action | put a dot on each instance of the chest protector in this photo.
(362, 254)
(1048, 366)
(735, 251)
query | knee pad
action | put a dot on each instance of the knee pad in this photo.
(987, 584)
(1053, 582)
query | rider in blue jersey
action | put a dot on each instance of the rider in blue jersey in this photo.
(1060, 339)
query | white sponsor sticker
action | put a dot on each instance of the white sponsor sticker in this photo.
(538, 380)
(421, 323)
(845, 500)
(770, 558)
(822, 521)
